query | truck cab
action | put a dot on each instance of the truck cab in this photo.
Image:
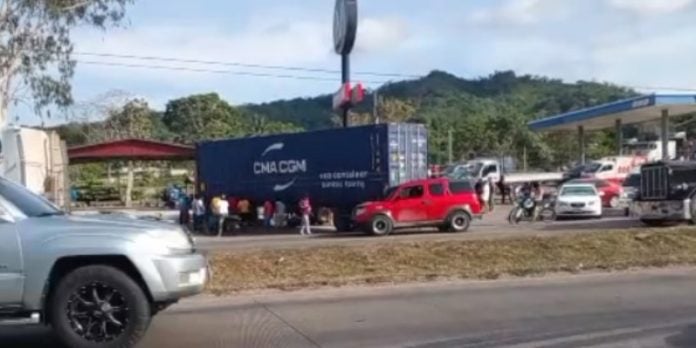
(614, 169)
(667, 193)
(448, 205)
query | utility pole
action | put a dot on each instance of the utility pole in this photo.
(344, 33)
(449, 146)
(375, 105)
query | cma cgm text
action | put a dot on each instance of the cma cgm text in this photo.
(280, 167)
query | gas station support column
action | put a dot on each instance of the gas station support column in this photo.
(664, 134)
(581, 140)
(619, 137)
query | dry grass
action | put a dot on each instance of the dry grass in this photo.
(479, 259)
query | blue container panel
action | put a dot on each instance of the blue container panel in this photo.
(337, 168)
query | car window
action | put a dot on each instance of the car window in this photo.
(436, 189)
(632, 180)
(30, 204)
(578, 191)
(608, 168)
(411, 192)
(488, 170)
(457, 187)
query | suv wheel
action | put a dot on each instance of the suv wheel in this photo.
(458, 221)
(99, 306)
(381, 225)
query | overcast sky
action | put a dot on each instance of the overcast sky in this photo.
(646, 43)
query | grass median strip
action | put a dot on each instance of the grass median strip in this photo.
(456, 259)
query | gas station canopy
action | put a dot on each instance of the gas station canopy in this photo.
(628, 111)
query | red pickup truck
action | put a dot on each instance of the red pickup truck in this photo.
(448, 205)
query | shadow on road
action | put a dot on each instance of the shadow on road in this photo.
(685, 339)
(599, 225)
(28, 337)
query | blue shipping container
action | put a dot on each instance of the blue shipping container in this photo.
(337, 168)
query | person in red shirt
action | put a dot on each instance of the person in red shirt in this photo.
(232, 201)
(306, 211)
(268, 211)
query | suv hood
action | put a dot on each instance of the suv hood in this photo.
(100, 224)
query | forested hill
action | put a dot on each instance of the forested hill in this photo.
(487, 115)
(542, 96)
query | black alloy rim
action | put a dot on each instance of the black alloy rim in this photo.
(97, 312)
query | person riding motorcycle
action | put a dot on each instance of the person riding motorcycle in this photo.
(538, 196)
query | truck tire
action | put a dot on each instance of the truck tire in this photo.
(380, 225)
(99, 306)
(343, 223)
(458, 221)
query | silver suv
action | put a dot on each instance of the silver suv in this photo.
(97, 281)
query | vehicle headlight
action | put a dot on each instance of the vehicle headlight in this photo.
(563, 204)
(592, 203)
(359, 211)
(166, 241)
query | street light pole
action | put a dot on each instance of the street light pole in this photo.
(375, 105)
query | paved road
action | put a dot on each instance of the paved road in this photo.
(494, 225)
(647, 309)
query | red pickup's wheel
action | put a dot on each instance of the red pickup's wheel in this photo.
(458, 221)
(381, 225)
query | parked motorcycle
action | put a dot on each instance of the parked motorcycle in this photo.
(525, 207)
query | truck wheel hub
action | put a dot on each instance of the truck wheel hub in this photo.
(97, 312)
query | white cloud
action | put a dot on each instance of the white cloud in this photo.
(519, 12)
(378, 34)
(651, 7)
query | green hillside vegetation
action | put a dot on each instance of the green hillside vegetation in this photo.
(487, 116)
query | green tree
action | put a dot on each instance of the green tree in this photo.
(201, 117)
(134, 120)
(259, 125)
(36, 48)
(389, 110)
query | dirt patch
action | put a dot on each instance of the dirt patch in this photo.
(437, 260)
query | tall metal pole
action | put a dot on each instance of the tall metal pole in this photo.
(375, 105)
(581, 141)
(664, 134)
(345, 78)
(619, 137)
(449, 146)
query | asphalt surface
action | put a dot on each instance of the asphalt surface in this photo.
(642, 309)
(493, 225)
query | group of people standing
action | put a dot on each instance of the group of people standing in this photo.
(223, 213)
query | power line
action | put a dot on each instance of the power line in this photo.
(271, 67)
(213, 71)
(242, 65)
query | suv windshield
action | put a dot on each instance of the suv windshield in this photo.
(30, 204)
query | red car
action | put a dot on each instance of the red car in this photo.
(608, 190)
(448, 205)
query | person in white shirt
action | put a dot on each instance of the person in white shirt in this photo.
(223, 212)
(279, 214)
(198, 208)
(486, 194)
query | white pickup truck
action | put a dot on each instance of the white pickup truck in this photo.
(484, 168)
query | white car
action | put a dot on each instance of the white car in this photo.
(581, 200)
